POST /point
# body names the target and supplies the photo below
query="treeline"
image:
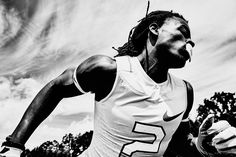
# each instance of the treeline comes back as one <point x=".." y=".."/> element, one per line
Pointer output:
<point x="221" y="104"/>
<point x="70" y="146"/>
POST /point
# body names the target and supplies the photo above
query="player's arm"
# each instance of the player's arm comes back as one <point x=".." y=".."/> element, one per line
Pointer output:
<point x="41" y="106"/>
<point x="194" y="146"/>
<point x="181" y="142"/>
<point x="216" y="138"/>
<point x="213" y="138"/>
<point x="90" y="76"/>
<point x="97" y="74"/>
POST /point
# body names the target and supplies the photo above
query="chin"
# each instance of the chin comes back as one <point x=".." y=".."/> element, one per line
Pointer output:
<point x="179" y="64"/>
<point x="176" y="60"/>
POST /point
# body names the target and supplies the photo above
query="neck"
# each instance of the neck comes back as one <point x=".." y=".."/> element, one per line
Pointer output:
<point x="154" y="68"/>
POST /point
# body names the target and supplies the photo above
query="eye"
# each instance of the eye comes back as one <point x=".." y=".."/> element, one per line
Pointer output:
<point x="185" y="31"/>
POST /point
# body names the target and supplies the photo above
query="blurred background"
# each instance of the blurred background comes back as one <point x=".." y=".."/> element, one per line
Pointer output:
<point x="39" y="39"/>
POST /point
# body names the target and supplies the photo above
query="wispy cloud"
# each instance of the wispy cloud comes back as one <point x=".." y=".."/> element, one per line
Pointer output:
<point x="39" y="39"/>
<point x="16" y="95"/>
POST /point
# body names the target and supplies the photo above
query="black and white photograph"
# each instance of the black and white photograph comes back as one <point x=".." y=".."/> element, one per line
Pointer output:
<point x="117" y="78"/>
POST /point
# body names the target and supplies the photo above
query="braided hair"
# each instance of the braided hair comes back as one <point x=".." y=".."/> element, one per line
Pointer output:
<point x="138" y="34"/>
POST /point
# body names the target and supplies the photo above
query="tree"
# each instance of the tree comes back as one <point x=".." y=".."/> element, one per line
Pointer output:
<point x="70" y="146"/>
<point x="222" y="105"/>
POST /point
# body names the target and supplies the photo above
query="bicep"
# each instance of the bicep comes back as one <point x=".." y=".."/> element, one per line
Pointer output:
<point x="97" y="75"/>
<point x="179" y="144"/>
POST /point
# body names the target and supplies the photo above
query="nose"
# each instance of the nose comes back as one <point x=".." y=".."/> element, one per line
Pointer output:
<point x="189" y="41"/>
<point x="189" y="47"/>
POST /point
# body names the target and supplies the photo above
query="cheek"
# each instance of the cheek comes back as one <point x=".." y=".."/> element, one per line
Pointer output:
<point x="174" y="48"/>
<point x="178" y="44"/>
<point x="164" y="37"/>
<point x="170" y="43"/>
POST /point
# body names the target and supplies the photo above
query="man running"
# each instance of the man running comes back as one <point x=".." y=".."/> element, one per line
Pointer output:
<point x="139" y="105"/>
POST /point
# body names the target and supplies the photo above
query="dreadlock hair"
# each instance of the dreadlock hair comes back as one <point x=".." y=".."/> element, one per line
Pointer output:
<point x="138" y="34"/>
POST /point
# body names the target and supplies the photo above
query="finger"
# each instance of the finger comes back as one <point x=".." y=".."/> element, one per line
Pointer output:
<point x="207" y="123"/>
<point x="229" y="144"/>
<point x="230" y="150"/>
<point x="225" y="135"/>
<point x="226" y="140"/>
<point x="218" y="127"/>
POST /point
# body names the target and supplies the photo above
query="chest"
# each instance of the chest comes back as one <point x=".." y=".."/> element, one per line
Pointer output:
<point x="150" y="116"/>
<point x="153" y="105"/>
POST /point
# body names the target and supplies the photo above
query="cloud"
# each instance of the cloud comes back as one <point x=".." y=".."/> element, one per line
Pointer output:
<point x="62" y="34"/>
<point x="46" y="132"/>
<point x="4" y="88"/>
<point x="59" y="34"/>
<point x="10" y="24"/>
<point x="16" y="95"/>
<point x="70" y="106"/>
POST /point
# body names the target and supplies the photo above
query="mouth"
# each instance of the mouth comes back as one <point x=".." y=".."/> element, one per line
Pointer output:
<point x="183" y="52"/>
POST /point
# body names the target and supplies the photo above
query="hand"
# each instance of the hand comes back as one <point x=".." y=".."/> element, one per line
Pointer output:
<point x="225" y="141"/>
<point x="6" y="151"/>
<point x="207" y="131"/>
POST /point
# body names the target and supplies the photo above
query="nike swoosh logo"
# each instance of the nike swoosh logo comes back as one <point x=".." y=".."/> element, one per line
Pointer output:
<point x="167" y="118"/>
<point x="4" y="150"/>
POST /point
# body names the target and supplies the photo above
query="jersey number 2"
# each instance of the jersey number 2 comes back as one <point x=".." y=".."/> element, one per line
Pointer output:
<point x="155" y="131"/>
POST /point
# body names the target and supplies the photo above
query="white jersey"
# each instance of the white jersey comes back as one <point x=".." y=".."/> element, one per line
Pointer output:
<point x="139" y="116"/>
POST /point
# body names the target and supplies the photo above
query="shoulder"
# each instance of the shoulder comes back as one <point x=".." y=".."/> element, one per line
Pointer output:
<point x="187" y="90"/>
<point x="96" y="73"/>
<point x="180" y="82"/>
<point x="97" y="62"/>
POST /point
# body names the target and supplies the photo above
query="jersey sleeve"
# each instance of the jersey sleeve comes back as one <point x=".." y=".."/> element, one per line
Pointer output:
<point x="75" y="80"/>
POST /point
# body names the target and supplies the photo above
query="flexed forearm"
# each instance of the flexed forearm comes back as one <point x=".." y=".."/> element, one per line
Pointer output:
<point x="39" y="109"/>
<point x="43" y="104"/>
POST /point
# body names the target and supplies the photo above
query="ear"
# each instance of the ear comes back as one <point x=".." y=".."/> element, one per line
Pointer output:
<point x="153" y="28"/>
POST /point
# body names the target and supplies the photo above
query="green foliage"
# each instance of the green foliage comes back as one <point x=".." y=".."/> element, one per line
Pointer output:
<point x="70" y="146"/>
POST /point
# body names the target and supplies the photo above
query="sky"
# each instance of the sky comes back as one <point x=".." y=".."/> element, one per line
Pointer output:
<point x="40" y="39"/>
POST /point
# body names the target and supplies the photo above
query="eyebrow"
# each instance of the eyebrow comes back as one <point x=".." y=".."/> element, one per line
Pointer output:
<point x="187" y="34"/>
<point x="186" y="30"/>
